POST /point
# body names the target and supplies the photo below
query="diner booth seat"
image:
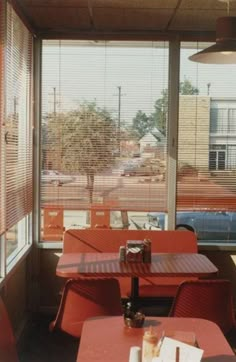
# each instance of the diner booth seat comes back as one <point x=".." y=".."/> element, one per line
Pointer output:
<point x="82" y="299"/>
<point x="106" y="240"/>
<point x="207" y="299"/>
<point x="8" y="352"/>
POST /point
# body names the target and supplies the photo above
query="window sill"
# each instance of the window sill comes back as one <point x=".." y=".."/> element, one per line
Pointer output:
<point x="217" y="246"/>
<point x="201" y="245"/>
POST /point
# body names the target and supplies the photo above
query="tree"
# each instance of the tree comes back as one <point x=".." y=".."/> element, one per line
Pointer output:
<point x="87" y="141"/>
<point x="186" y="88"/>
<point x="142" y="124"/>
<point x="159" y="116"/>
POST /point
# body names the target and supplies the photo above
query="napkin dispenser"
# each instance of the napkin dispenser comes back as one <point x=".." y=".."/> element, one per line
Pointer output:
<point x="134" y="251"/>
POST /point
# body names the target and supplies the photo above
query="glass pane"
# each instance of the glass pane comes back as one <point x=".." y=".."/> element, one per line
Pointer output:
<point x="17" y="237"/>
<point x="221" y="160"/>
<point x="11" y="240"/>
<point x="206" y="196"/>
<point x="104" y="134"/>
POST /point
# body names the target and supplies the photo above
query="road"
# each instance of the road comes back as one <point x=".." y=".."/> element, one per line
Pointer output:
<point x="132" y="193"/>
<point x="138" y="194"/>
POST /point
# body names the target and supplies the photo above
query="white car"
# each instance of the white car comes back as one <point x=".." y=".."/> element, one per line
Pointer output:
<point x="55" y="177"/>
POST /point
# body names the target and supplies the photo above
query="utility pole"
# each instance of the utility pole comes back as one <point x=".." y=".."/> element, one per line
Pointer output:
<point x="56" y="163"/>
<point x="55" y="102"/>
<point x="119" y="118"/>
<point x="119" y="106"/>
<point x="208" y="88"/>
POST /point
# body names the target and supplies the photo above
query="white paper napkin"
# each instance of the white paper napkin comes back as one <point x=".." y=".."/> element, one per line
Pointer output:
<point x="187" y="353"/>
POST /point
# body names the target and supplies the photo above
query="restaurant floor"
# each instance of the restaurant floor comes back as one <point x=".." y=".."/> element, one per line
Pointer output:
<point x="43" y="346"/>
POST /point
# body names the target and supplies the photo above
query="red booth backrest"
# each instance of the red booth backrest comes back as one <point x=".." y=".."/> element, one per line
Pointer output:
<point x="108" y="240"/>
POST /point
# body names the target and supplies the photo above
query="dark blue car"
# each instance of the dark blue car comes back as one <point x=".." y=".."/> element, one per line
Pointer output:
<point x="209" y="225"/>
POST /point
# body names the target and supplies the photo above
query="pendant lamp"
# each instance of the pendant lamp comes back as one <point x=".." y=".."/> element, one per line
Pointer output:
<point x="224" y="50"/>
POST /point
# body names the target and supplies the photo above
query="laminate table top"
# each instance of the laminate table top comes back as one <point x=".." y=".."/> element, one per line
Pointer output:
<point x="106" y="339"/>
<point x="76" y="265"/>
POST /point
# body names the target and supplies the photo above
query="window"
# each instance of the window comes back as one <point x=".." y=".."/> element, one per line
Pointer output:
<point x="231" y="159"/>
<point x="16" y="133"/>
<point x="219" y="121"/>
<point x="232" y="120"/>
<point x="217" y="158"/>
<point x="102" y="104"/>
<point x="206" y="195"/>
<point x="105" y="102"/>
<point x="222" y="121"/>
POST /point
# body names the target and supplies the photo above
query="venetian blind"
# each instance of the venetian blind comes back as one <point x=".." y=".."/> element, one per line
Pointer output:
<point x="104" y="125"/>
<point x="2" y="163"/>
<point x="207" y="146"/>
<point x="18" y="120"/>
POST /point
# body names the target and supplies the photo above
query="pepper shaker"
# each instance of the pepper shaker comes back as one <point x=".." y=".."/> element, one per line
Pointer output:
<point x="147" y="255"/>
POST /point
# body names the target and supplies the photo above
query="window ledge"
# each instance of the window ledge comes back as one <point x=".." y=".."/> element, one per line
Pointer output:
<point x="50" y="245"/>
<point x="201" y="245"/>
<point x="220" y="246"/>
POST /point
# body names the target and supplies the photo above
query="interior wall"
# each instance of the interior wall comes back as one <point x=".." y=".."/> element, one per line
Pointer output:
<point x="14" y="293"/>
<point x="49" y="284"/>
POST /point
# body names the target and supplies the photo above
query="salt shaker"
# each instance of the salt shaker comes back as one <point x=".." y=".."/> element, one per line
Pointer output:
<point x="149" y="346"/>
<point x="135" y="354"/>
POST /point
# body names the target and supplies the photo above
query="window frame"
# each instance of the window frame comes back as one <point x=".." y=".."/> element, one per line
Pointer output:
<point x="20" y="227"/>
<point x="172" y="154"/>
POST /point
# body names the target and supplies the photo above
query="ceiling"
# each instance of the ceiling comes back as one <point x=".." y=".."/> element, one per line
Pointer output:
<point x="190" y="19"/>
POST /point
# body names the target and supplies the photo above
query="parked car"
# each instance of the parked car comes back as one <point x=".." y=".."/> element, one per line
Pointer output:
<point x="140" y="170"/>
<point x="209" y="225"/>
<point x="55" y="177"/>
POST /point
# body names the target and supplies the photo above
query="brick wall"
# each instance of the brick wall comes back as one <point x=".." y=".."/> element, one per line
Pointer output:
<point x="194" y="122"/>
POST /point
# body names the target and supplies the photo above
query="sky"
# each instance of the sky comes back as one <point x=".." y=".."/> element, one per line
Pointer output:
<point x="73" y="74"/>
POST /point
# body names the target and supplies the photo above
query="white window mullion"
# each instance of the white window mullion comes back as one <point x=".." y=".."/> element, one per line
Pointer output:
<point x="173" y="115"/>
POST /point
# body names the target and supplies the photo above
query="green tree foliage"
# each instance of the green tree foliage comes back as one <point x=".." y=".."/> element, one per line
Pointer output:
<point x="186" y="88"/>
<point x="160" y="114"/>
<point x="87" y="141"/>
<point x="142" y="123"/>
<point x="158" y="118"/>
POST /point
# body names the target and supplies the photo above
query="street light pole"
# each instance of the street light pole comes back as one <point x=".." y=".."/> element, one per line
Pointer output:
<point x="54" y="101"/>
<point x="119" y="107"/>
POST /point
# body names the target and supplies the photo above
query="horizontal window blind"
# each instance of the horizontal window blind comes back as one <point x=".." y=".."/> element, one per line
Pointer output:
<point x="104" y="135"/>
<point x="18" y="120"/>
<point x="207" y="147"/>
<point x="2" y="155"/>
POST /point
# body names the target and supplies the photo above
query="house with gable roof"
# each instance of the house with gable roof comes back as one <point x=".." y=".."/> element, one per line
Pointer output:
<point x="152" y="143"/>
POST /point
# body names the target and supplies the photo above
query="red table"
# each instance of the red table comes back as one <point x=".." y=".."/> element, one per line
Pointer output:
<point x="106" y="339"/>
<point x="77" y="265"/>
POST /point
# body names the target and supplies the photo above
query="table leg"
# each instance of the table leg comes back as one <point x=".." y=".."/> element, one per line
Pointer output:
<point x="134" y="288"/>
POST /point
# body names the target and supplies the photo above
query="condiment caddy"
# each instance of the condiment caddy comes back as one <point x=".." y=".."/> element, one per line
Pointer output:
<point x="136" y="251"/>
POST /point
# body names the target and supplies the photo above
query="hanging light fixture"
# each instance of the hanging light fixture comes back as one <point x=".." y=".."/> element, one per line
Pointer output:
<point x="224" y="50"/>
